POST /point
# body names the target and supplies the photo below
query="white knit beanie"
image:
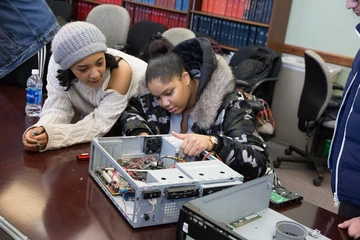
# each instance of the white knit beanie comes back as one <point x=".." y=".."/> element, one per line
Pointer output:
<point x="76" y="41"/>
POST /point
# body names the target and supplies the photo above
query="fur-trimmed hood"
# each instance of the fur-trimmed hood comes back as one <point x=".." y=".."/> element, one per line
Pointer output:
<point x="215" y="81"/>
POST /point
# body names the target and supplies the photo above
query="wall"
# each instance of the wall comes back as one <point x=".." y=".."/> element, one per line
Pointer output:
<point x="324" y="25"/>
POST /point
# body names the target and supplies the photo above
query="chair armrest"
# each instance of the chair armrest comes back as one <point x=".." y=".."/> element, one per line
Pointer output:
<point x="261" y="82"/>
<point x="241" y="83"/>
<point x="121" y="47"/>
<point x="336" y="86"/>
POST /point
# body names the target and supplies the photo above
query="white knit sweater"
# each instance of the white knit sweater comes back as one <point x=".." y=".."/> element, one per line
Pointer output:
<point x="100" y="107"/>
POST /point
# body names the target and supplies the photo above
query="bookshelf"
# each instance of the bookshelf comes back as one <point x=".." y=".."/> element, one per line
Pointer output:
<point x="81" y="8"/>
<point x="170" y="13"/>
<point x="265" y="25"/>
<point x="198" y="17"/>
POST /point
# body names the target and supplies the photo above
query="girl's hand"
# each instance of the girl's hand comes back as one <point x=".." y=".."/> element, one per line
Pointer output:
<point x="35" y="139"/>
<point x="193" y="144"/>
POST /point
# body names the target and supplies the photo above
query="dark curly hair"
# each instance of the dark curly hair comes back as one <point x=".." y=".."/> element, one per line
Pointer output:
<point x="67" y="77"/>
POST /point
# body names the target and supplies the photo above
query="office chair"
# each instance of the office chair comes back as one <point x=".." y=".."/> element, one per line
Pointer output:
<point x="178" y="34"/>
<point x="62" y="10"/>
<point x="314" y="103"/>
<point x="139" y="35"/>
<point x="256" y="70"/>
<point x="114" y="23"/>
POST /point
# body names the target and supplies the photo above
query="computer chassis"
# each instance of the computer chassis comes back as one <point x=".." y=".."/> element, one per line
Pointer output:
<point x="240" y="213"/>
<point x="148" y="180"/>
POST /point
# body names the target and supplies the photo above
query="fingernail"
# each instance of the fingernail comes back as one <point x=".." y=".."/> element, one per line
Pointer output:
<point x="35" y="133"/>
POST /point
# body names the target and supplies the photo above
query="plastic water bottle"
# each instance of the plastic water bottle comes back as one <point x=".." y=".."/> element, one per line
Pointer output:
<point x="34" y="87"/>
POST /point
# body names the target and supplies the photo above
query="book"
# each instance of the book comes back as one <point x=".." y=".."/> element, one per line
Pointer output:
<point x="210" y="6"/>
<point x="257" y="37"/>
<point x="252" y="35"/>
<point x="208" y="25"/>
<point x="201" y="24"/>
<point x="226" y="33"/>
<point x="237" y="35"/>
<point x="235" y="7"/>
<point x="228" y="9"/>
<point x="185" y="5"/>
<point x="182" y="21"/>
<point x="252" y="10"/>
<point x="204" y="5"/>
<point x="259" y="10"/>
<point x="195" y="23"/>
<point x="218" y="30"/>
<point x="263" y="15"/>
<point x="241" y="9"/>
<point x="214" y="25"/>
<point x="245" y="36"/>
<point x="232" y="32"/>
<point x="178" y="4"/>
<point x="216" y="7"/>
<point x="247" y="8"/>
<point x="268" y="11"/>
<point x="165" y="18"/>
<point x="222" y="7"/>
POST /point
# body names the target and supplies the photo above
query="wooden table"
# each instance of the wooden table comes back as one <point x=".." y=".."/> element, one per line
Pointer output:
<point x="51" y="196"/>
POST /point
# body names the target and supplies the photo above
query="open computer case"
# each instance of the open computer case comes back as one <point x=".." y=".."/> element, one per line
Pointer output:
<point x="148" y="180"/>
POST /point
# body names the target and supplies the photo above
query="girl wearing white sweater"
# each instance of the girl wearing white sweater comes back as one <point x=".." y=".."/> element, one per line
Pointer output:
<point x="83" y="74"/>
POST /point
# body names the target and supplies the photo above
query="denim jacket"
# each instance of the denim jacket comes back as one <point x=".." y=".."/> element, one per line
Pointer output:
<point x="25" y="27"/>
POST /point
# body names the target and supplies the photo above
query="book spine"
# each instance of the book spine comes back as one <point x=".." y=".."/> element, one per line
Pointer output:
<point x="241" y="9"/>
<point x="235" y="8"/>
<point x="229" y="8"/>
<point x="204" y="5"/>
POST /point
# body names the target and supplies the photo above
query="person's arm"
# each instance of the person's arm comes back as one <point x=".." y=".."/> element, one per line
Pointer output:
<point x="57" y="109"/>
<point x="120" y="80"/>
<point x="240" y="146"/>
<point x="131" y="121"/>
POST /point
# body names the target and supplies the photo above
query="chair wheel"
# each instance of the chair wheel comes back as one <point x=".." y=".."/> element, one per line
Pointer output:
<point x="287" y="151"/>
<point x="317" y="181"/>
<point x="277" y="164"/>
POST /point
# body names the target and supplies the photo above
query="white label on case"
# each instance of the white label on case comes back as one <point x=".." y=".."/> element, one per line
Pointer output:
<point x="185" y="227"/>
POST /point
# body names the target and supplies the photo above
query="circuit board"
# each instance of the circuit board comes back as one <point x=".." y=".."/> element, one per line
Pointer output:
<point x="243" y="221"/>
<point x="282" y="196"/>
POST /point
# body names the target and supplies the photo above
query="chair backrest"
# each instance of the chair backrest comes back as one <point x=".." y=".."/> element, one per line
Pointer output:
<point x="317" y="91"/>
<point x="113" y="21"/>
<point x="245" y="53"/>
<point x="178" y="34"/>
<point x="140" y="33"/>
<point x="62" y="9"/>
<point x="254" y="63"/>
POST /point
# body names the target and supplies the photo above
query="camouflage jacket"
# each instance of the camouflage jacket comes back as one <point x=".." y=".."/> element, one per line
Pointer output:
<point x="219" y="111"/>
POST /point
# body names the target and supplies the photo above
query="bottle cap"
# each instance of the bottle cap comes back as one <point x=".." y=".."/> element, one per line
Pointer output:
<point x="35" y="72"/>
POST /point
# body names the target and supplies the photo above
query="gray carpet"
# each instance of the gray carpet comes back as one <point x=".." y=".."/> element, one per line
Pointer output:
<point x="299" y="178"/>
